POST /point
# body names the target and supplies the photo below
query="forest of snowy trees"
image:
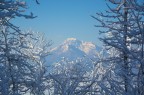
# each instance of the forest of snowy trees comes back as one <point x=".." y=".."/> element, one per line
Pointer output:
<point x="117" y="69"/>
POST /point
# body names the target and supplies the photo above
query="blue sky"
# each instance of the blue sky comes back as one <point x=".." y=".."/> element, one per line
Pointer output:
<point x="62" y="19"/>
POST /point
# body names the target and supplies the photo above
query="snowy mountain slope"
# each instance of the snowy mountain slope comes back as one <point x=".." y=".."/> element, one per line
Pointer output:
<point x="71" y="49"/>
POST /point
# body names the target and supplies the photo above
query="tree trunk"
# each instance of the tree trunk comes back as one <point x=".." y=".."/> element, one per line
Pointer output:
<point x="125" y="43"/>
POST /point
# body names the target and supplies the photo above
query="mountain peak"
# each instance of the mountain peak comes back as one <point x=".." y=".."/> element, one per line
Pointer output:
<point x="71" y="39"/>
<point x="72" y="48"/>
<point x="72" y="42"/>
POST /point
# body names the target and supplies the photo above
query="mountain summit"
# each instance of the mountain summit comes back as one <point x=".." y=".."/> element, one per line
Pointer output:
<point x="71" y="49"/>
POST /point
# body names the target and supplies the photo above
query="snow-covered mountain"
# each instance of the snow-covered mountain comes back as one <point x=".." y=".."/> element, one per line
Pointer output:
<point x="71" y="49"/>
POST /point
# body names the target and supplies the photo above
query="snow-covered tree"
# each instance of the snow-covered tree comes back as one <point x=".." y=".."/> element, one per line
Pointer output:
<point x="72" y="77"/>
<point x="124" y="33"/>
<point x="10" y="9"/>
<point x="22" y="54"/>
<point x="22" y="63"/>
<point x="37" y="50"/>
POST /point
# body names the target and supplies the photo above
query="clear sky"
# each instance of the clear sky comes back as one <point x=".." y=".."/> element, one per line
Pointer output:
<point x="62" y="19"/>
